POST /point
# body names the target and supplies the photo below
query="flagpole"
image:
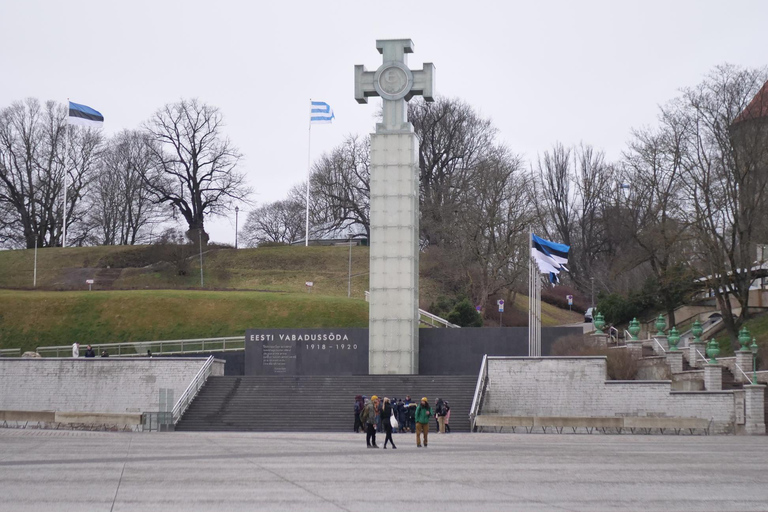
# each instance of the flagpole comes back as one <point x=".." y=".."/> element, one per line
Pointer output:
<point x="531" y="298"/>
<point x="64" y="213"/>
<point x="309" y="160"/>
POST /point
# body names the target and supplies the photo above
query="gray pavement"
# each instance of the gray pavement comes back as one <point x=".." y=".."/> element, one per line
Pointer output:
<point x="90" y="471"/>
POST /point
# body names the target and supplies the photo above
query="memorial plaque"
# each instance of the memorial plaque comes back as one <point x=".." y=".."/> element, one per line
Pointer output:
<point x="306" y="352"/>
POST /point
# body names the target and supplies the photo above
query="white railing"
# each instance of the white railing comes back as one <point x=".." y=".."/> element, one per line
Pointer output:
<point x="482" y="379"/>
<point x="10" y="352"/>
<point x="663" y="350"/>
<point x="191" y="392"/>
<point x="433" y="320"/>
<point x="140" y="348"/>
<point x="749" y="379"/>
<point x="611" y="331"/>
<point x="702" y="356"/>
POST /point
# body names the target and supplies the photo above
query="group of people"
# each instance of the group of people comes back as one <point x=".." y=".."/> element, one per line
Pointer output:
<point x="89" y="352"/>
<point x="374" y="415"/>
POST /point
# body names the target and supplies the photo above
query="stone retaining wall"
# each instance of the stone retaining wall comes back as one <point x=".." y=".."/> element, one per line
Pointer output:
<point x="96" y="385"/>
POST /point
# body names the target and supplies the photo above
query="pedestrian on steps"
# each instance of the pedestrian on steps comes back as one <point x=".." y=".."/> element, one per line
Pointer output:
<point x="386" y="414"/>
<point x="423" y="415"/>
<point x="447" y="417"/>
<point x="359" y="404"/>
<point x="368" y="418"/>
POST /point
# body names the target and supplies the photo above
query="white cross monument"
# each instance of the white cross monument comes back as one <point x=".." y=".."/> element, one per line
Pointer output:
<point x="394" y="267"/>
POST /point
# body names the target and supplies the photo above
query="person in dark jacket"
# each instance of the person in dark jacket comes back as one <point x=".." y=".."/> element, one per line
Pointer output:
<point x="400" y="413"/>
<point x="89" y="352"/>
<point x="359" y="404"/>
<point x="440" y="415"/>
<point x="368" y="418"/>
<point x="386" y="414"/>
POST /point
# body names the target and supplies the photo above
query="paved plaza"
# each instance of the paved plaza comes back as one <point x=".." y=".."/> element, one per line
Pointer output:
<point x="92" y="471"/>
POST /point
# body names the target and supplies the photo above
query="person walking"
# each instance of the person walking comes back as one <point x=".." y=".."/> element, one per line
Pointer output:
<point x="440" y="415"/>
<point x="377" y="406"/>
<point x="89" y="352"/>
<point x="386" y="415"/>
<point x="368" y="418"/>
<point x="423" y="415"/>
<point x="411" y="412"/>
<point x="400" y="413"/>
<point x="75" y="349"/>
<point x="447" y="417"/>
<point x="359" y="404"/>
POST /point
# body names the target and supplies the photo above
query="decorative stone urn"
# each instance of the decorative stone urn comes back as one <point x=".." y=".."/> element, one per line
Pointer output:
<point x="713" y="350"/>
<point x="661" y="324"/>
<point x="744" y="339"/>
<point x="696" y="330"/>
<point x="634" y="328"/>
<point x="673" y="339"/>
<point x="599" y="322"/>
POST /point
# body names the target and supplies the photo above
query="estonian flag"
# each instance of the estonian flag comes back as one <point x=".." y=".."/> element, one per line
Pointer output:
<point x="321" y="113"/>
<point x="550" y="256"/>
<point x="83" y="115"/>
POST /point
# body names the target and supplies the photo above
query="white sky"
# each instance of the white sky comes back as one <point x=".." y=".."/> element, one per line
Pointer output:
<point x="544" y="71"/>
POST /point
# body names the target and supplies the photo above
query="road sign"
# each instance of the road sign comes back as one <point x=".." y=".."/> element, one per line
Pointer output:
<point x="310" y="284"/>
<point x="570" y="299"/>
<point x="500" y="302"/>
<point x="89" y="281"/>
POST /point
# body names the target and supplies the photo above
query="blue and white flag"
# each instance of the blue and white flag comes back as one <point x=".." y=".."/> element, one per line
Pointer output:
<point x="550" y="256"/>
<point x="320" y="113"/>
<point x="83" y="115"/>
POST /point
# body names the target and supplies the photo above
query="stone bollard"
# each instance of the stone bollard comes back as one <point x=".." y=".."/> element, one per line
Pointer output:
<point x="675" y="361"/>
<point x="713" y="377"/>
<point x="754" y="402"/>
<point x="744" y="360"/>
<point x="601" y="340"/>
<point x="696" y="348"/>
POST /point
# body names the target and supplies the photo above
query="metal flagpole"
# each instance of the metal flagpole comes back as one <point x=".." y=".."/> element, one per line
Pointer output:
<point x="531" y="298"/>
<point x="34" y="274"/>
<point x="309" y="159"/>
<point x="64" y="161"/>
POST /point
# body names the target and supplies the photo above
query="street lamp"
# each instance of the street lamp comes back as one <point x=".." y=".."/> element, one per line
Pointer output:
<point x="237" y="210"/>
<point x="754" y="361"/>
<point x="349" y="279"/>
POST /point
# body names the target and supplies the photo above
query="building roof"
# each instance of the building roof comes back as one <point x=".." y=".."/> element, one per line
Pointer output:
<point x="757" y="108"/>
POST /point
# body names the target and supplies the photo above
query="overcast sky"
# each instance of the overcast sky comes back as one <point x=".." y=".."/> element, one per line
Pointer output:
<point x="552" y="71"/>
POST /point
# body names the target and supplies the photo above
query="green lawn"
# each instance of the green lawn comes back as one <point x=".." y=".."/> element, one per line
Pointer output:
<point x="38" y="318"/>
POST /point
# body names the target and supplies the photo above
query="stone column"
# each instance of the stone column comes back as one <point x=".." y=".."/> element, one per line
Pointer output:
<point x="675" y="361"/>
<point x="662" y="341"/>
<point x="696" y="347"/>
<point x="601" y="340"/>
<point x="744" y="360"/>
<point x="394" y="255"/>
<point x="635" y="348"/>
<point x="754" y="401"/>
<point x="713" y="377"/>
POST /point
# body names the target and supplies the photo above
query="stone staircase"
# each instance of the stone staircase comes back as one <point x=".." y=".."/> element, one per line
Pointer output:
<point x="314" y="403"/>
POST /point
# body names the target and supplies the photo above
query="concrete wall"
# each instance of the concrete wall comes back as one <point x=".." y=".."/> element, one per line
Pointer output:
<point x="100" y="385"/>
<point x="577" y="386"/>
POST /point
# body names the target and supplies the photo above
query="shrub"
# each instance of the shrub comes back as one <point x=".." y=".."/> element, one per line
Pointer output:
<point x="620" y="364"/>
<point x="464" y="314"/>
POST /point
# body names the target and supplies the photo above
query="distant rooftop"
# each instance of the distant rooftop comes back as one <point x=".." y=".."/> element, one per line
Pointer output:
<point x="757" y="108"/>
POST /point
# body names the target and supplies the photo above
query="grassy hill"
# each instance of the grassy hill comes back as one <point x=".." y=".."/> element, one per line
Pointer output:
<point x="41" y="318"/>
<point x="140" y="294"/>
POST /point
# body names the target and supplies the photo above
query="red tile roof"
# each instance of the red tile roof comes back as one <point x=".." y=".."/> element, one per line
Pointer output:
<point x="757" y="108"/>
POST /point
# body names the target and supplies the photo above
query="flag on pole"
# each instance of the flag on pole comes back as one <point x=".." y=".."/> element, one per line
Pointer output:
<point x="83" y="115"/>
<point x="320" y="113"/>
<point x="551" y="257"/>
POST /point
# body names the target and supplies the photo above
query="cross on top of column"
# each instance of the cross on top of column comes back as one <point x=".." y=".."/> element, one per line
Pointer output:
<point x="395" y="83"/>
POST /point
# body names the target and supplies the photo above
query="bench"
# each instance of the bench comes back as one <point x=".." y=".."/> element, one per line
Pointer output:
<point x="70" y="418"/>
<point x="590" y="423"/>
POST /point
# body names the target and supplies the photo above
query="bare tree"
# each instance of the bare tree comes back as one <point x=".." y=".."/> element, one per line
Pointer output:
<point x="340" y="187"/>
<point x="37" y="150"/>
<point x="453" y="139"/>
<point x="121" y="205"/>
<point x="195" y="164"/>
<point x="725" y="178"/>
<point x="280" y="222"/>
<point x="492" y="233"/>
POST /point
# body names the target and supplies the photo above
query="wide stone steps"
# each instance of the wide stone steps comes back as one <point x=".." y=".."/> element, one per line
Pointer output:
<point x="312" y="403"/>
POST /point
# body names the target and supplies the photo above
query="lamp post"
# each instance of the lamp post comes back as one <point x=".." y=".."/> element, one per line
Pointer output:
<point x="237" y="210"/>
<point x="349" y="279"/>
<point x="754" y="361"/>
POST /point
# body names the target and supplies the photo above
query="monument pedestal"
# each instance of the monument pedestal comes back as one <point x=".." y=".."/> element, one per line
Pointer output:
<point x="394" y="257"/>
<point x="713" y="377"/>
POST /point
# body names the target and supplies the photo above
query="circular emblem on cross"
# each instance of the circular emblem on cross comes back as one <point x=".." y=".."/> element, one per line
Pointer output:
<point x="393" y="80"/>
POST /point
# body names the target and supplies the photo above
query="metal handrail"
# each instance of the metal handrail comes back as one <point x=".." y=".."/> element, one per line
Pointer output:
<point x="611" y="329"/>
<point x="749" y="379"/>
<point x="139" y="348"/>
<point x="663" y="350"/>
<point x="481" y="380"/>
<point x="10" y="352"/>
<point x="702" y="356"/>
<point x="191" y="392"/>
